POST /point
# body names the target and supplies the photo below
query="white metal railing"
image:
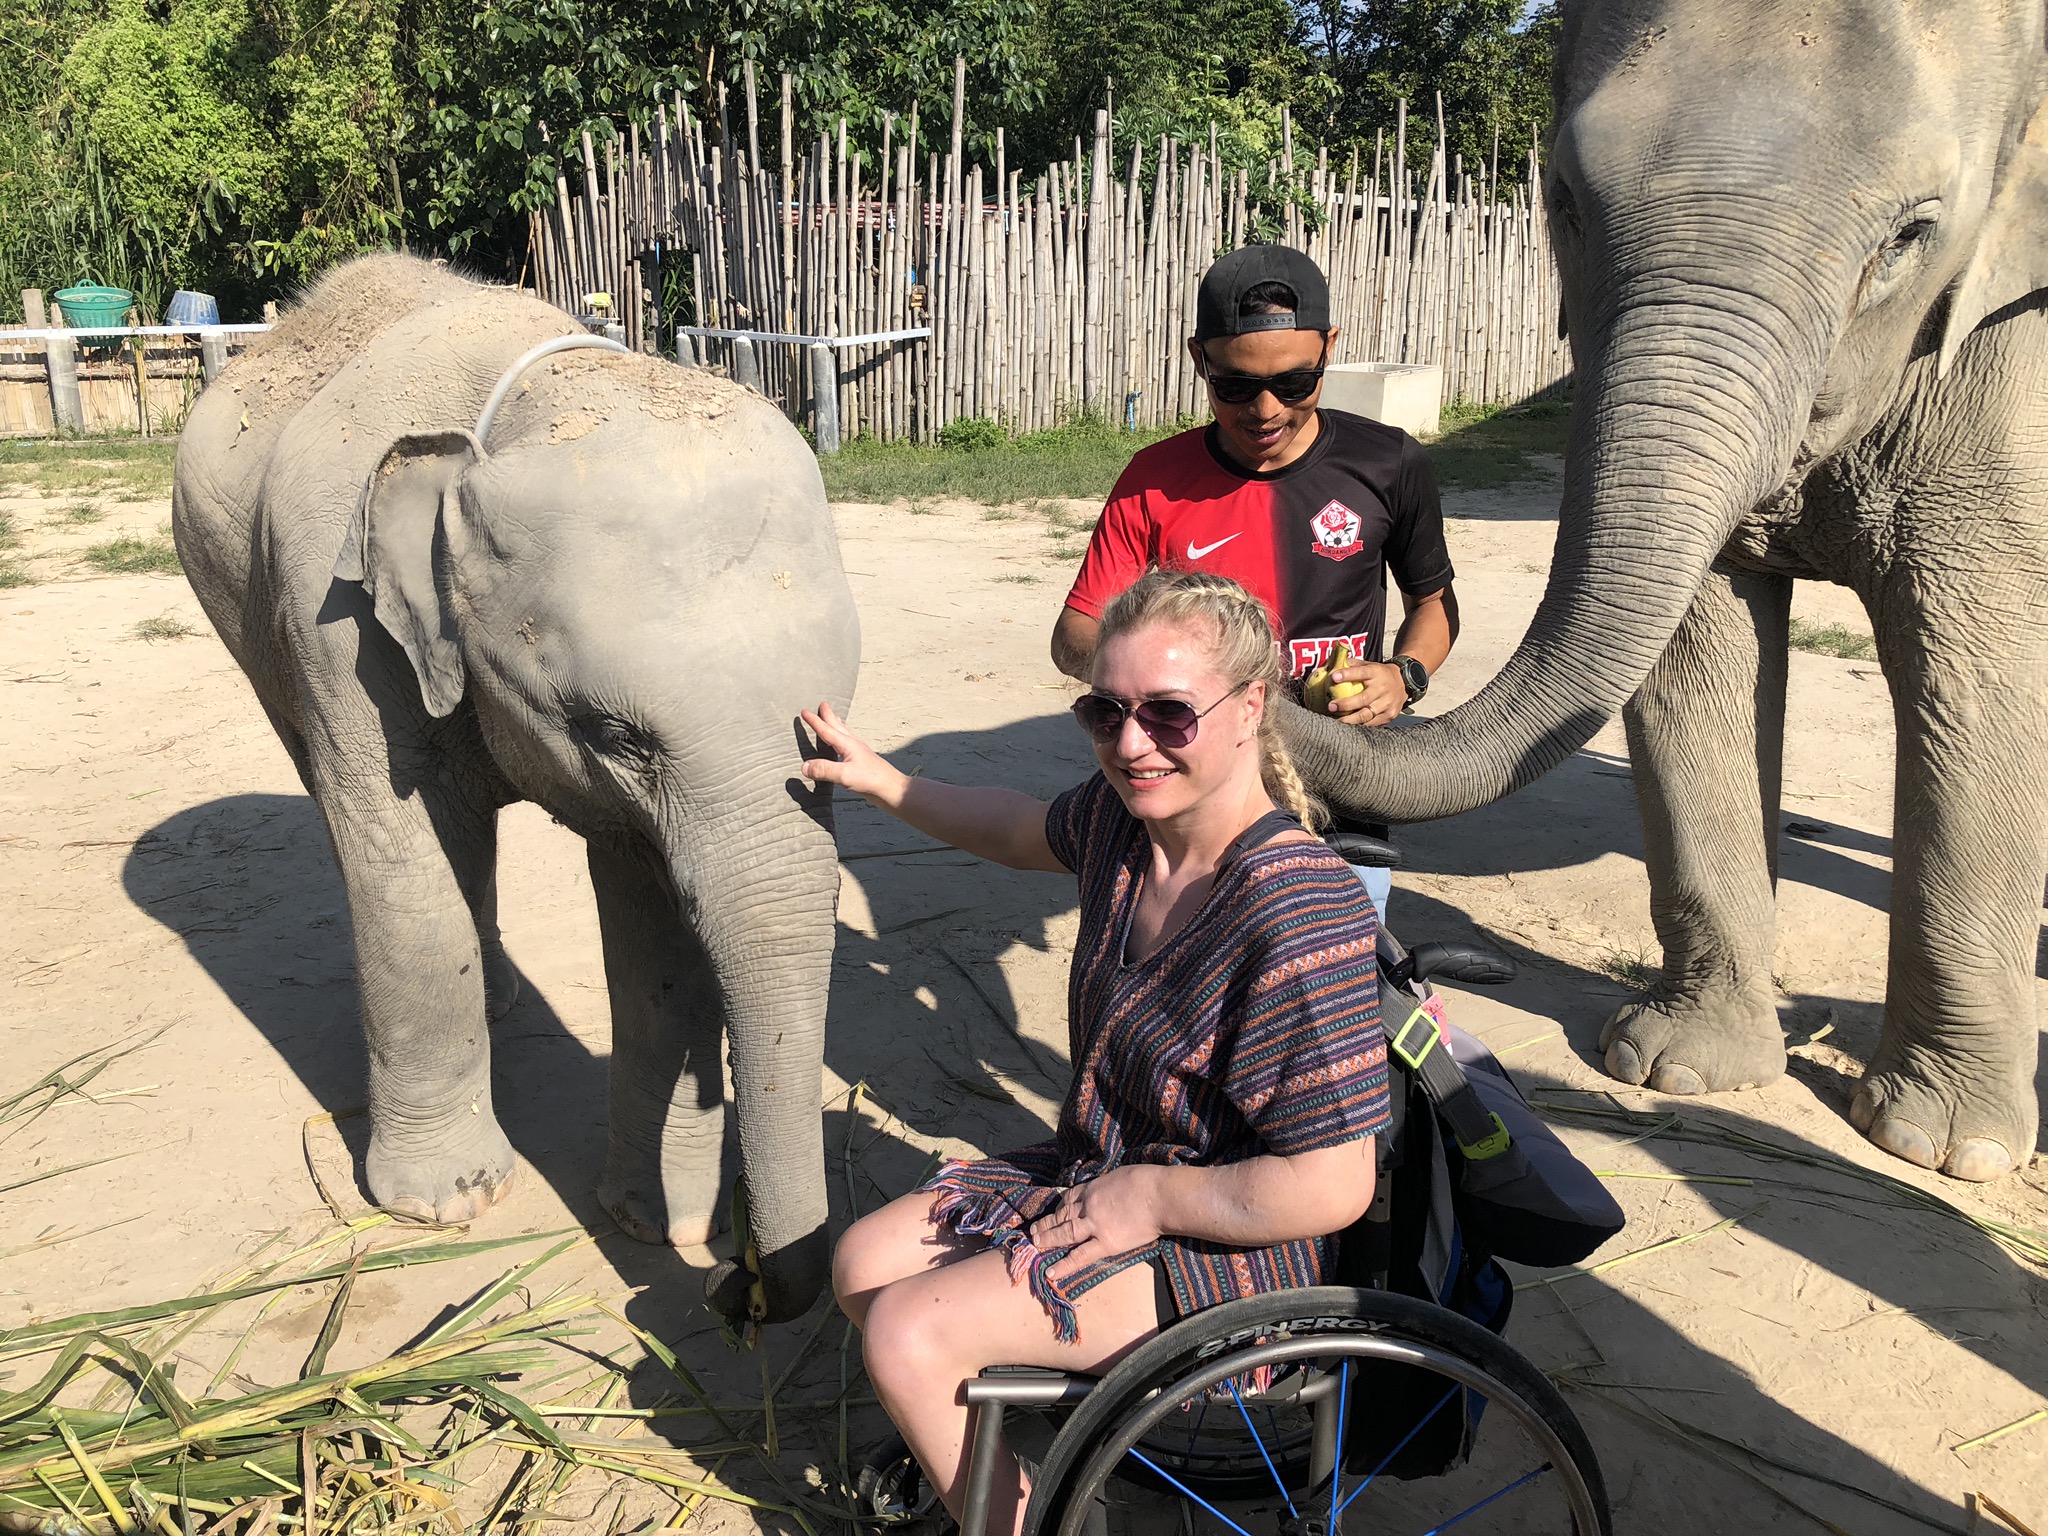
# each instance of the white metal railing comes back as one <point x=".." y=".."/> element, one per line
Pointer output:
<point x="62" y="332"/>
<point x="872" y="339"/>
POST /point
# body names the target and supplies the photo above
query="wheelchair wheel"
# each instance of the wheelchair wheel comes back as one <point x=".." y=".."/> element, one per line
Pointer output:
<point x="1301" y="1413"/>
<point x="891" y="1491"/>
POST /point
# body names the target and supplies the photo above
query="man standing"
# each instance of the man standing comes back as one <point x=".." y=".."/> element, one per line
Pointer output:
<point x="1309" y="509"/>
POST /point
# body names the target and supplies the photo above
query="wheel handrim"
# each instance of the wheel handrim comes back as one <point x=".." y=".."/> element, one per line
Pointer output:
<point x="1462" y="1373"/>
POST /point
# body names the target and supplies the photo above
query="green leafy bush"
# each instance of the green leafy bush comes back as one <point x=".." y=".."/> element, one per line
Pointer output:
<point x="973" y="434"/>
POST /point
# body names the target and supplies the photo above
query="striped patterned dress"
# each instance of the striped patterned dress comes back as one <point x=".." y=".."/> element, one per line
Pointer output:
<point x="1252" y="1030"/>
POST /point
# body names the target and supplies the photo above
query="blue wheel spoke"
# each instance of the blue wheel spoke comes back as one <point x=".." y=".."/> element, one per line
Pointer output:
<point x="1139" y="1455"/>
<point x="1397" y="1450"/>
<point x="1259" y="1441"/>
<point x="1337" y="1468"/>
<point x="1498" y="1493"/>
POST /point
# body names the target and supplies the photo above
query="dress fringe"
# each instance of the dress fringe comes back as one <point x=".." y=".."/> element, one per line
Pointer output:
<point x="992" y="1214"/>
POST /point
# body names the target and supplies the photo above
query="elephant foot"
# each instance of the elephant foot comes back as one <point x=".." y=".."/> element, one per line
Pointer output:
<point x="1929" y="1120"/>
<point x="446" y="1178"/>
<point x="1692" y="1045"/>
<point x="644" y="1217"/>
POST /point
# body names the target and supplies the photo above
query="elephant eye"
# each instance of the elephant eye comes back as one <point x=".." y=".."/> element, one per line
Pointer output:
<point x="1907" y="236"/>
<point x="1915" y="228"/>
<point x="1896" y="258"/>
<point x="620" y="742"/>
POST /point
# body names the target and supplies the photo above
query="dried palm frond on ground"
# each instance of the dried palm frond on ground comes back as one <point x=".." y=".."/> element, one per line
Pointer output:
<point x="103" y="1442"/>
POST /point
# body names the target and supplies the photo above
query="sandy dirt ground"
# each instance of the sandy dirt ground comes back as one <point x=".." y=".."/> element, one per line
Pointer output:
<point x="163" y="878"/>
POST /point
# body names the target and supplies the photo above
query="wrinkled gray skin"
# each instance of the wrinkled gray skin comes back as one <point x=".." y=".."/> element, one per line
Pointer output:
<point x="1803" y="249"/>
<point x="614" y="608"/>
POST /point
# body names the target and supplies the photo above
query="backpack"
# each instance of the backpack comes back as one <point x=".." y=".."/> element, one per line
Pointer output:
<point x="1468" y="1175"/>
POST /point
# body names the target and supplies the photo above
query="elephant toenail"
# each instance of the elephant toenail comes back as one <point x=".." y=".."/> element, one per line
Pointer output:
<point x="1677" y="1078"/>
<point x="1624" y="1062"/>
<point x="1979" y="1160"/>
<point x="1905" y="1140"/>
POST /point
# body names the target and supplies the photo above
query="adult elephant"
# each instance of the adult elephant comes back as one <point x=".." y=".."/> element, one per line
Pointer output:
<point x="611" y="599"/>
<point x="1804" y="251"/>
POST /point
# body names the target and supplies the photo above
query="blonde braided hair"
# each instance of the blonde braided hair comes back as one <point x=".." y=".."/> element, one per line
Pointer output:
<point x="1243" y="648"/>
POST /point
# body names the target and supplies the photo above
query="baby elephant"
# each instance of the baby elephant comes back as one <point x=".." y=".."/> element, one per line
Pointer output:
<point x="610" y="594"/>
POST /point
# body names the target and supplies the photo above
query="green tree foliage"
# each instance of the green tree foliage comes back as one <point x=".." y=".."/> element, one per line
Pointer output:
<point x="1174" y="68"/>
<point x="240" y="146"/>
<point x="511" y="87"/>
<point x="60" y="218"/>
<point x="1491" y="60"/>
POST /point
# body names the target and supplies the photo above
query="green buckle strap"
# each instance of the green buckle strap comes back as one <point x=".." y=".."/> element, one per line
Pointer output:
<point x="1488" y="1146"/>
<point x="1478" y="1132"/>
<point x="1413" y="1056"/>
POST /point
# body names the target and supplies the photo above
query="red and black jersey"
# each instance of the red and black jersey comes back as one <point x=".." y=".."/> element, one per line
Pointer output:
<point x="1313" y="540"/>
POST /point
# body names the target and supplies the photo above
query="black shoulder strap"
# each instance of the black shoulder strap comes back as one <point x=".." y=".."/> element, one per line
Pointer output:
<point x="1260" y="832"/>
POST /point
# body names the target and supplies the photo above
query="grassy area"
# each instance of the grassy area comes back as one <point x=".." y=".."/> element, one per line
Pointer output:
<point x="154" y="556"/>
<point x="12" y="574"/>
<point x="1479" y="447"/>
<point x="135" y="469"/>
<point x="981" y="465"/>
<point x="1833" y="640"/>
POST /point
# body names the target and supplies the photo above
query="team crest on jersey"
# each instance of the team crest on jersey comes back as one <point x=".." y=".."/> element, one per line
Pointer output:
<point x="1336" y="528"/>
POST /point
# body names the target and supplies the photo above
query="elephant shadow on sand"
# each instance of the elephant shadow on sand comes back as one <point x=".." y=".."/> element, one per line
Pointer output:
<point x="922" y="1016"/>
<point x="274" y="934"/>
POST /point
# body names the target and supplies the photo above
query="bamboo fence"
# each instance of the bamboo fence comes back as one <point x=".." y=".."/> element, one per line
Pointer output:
<point x="1066" y="295"/>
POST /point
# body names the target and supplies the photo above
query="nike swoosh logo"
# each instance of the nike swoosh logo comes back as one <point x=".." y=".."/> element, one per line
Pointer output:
<point x="1208" y="549"/>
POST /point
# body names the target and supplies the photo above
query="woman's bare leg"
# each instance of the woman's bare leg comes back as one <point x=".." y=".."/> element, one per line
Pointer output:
<point x="928" y="1333"/>
<point x="890" y="1244"/>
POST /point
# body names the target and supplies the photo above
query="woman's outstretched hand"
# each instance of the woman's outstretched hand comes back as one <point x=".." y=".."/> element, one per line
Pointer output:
<point x="854" y="765"/>
<point x="1114" y="1214"/>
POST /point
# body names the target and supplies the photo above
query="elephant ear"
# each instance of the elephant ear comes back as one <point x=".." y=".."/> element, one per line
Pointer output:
<point x="2011" y="259"/>
<point x="392" y="546"/>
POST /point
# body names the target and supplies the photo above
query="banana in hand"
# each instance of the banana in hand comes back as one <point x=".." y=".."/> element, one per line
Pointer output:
<point x="1317" y="690"/>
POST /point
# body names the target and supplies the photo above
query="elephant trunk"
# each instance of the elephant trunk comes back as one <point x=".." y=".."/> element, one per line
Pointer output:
<point x="759" y="887"/>
<point x="1676" y="434"/>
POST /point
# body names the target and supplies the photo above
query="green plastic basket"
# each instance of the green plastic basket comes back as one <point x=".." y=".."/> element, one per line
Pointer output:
<point x="89" y="304"/>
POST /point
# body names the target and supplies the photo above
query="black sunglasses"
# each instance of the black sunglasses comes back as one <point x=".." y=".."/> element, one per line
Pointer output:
<point x="1169" y="722"/>
<point x="1289" y="388"/>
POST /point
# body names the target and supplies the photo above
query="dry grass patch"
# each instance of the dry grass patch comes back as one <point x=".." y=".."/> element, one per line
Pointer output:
<point x="126" y="556"/>
<point x="1832" y="640"/>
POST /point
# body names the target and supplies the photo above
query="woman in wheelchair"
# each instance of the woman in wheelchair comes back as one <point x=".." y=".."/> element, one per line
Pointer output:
<point x="1229" y="1071"/>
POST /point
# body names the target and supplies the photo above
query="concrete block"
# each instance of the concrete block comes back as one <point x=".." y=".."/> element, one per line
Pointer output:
<point x="1404" y="395"/>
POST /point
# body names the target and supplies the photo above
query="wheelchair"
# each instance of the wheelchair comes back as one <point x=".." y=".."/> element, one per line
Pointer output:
<point x="1346" y="1408"/>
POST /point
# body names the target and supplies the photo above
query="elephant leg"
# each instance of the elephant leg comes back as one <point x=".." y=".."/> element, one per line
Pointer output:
<point x="1951" y="1085"/>
<point x="436" y="1150"/>
<point x="1706" y="738"/>
<point x="476" y="867"/>
<point x="663" y="1167"/>
<point x="411" y="806"/>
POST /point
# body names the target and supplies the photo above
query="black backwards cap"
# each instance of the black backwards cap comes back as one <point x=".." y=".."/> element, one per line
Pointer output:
<point x="1226" y="283"/>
